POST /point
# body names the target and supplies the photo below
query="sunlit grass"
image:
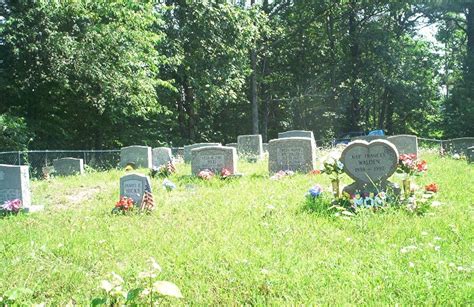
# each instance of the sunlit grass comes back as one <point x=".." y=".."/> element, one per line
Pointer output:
<point x="244" y="241"/>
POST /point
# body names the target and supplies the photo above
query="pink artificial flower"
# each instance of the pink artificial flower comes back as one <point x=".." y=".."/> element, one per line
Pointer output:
<point x="12" y="205"/>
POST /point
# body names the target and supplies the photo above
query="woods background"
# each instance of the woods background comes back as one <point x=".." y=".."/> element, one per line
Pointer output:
<point x="103" y="74"/>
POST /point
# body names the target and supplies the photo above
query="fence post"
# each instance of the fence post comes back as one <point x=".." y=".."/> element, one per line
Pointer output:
<point x="19" y="157"/>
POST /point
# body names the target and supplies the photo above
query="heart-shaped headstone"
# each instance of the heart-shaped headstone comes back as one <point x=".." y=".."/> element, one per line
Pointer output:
<point x="370" y="162"/>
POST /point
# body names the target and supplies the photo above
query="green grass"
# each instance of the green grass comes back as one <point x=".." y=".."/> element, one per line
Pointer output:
<point x="222" y="242"/>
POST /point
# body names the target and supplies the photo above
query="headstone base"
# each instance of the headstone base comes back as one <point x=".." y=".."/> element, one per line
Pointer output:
<point x="386" y="186"/>
<point x="33" y="209"/>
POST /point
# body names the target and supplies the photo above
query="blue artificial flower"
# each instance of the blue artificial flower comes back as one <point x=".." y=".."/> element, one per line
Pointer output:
<point x="168" y="185"/>
<point x="315" y="191"/>
<point x="340" y="165"/>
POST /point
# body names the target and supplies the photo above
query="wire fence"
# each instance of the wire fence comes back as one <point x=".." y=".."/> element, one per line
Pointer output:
<point x="109" y="159"/>
<point x="37" y="159"/>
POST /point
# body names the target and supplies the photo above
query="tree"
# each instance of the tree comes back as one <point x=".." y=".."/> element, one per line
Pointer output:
<point x="83" y="74"/>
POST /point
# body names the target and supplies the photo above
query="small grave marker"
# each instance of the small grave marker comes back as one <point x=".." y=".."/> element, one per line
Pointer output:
<point x="134" y="186"/>
<point x="68" y="166"/>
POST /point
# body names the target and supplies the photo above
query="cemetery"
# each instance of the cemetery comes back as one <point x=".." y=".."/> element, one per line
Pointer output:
<point x="228" y="153"/>
<point x="337" y="211"/>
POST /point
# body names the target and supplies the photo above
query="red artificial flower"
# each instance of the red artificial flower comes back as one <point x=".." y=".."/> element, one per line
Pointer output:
<point x="315" y="172"/>
<point x="432" y="187"/>
<point x="422" y="166"/>
<point x="225" y="173"/>
<point x="124" y="203"/>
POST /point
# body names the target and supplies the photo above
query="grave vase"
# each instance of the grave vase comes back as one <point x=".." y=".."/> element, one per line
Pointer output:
<point x="335" y="188"/>
<point x="406" y="186"/>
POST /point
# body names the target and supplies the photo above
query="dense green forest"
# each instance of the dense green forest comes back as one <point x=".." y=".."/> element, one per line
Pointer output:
<point x="103" y="74"/>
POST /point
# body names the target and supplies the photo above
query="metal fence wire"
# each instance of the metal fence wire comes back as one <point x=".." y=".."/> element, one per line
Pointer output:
<point x="109" y="159"/>
<point x="37" y="159"/>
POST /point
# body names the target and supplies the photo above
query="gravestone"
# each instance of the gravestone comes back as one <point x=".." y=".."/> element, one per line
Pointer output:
<point x="139" y="156"/>
<point x="296" y="154"/>
<point x="134" y="186"/>
<point x="15" y="184"/>
<point x="161" y="156"/>
<point x="265" y="147"/>
<point x="188" y="148"/>
<point x="68" y="166"/>
<point x="460" y="145"/>
<point x="296" y="133"/>
<point x="470" y="154"/>
<point x="214" y="158"/>
<point x="368" y="164"/>
<point x="250" y="146"/>
<point x="232" y="145"/>
<point x="406" y="144"/>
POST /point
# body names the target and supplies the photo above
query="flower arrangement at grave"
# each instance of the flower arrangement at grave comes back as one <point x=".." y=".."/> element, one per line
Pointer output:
<point x="432" y="187"/>
<point x="11" y="207"/>
<point x="315" y="172"/>
<point x="334" y="169"/>
<point x="282" y="174"/>
<point x="369" y="200"/>
<point x="164" y="170"/>
<point x="205" y="174"/>
<point x="319" y="202"/>
<point x="410" y="166"/>
<point x="124" y="205"/>
<point x="225" y="173"/>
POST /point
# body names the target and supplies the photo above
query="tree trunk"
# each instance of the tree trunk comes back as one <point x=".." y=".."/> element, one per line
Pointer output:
<point x="253" y="92"/>
<point x="253" y="86"/>
<point x="354" y="110"/>
<point x="470" y="41"/>
<point x="189" y="99"/>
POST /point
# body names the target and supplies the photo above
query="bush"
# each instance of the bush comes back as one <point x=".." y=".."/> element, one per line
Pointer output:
<point x="14" y="134"/>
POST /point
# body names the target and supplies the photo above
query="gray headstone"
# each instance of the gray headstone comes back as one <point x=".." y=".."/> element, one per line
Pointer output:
<point x="68" y="166"/>
<point x="188" y="148"/>
<point x="369" y="163"/>
<point x="15" y="184"/>
<point x="296" y="154"/>
<point x="232" y="145"/>
<point x="140" y="156"/>
<point x="296" y="133"/>
<point x="250" y="146"/>
<point x="134" y="186"/>
<point x="161" y="156"/>
<point x="406" y="144"/>
<point x="214" y="158"/>
<point x="460" y="145"/>
<point x="265" y="147"/>
<point x="470" y="154"/>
